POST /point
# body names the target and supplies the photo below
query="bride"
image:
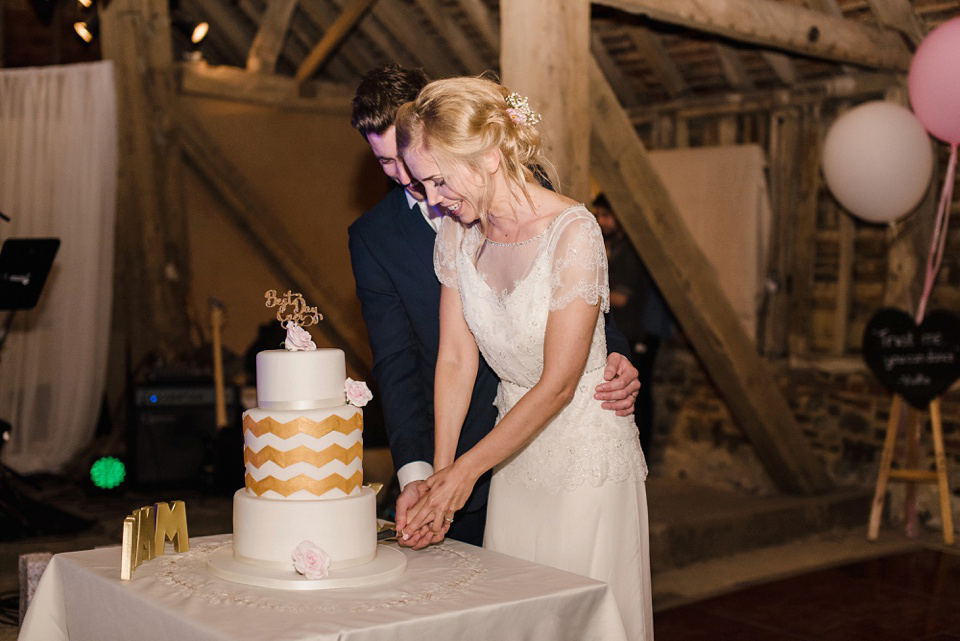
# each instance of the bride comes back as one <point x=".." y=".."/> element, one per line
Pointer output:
<point x="524" y="278"/>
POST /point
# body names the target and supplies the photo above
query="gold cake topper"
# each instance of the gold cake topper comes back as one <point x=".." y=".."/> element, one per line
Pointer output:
<point x="301" y="315"/>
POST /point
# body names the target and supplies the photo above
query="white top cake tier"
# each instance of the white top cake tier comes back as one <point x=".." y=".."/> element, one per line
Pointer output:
<point x="300" y="380"/>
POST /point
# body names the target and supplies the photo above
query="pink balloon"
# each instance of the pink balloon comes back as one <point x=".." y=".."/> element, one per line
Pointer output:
<point x="934" y="82"/>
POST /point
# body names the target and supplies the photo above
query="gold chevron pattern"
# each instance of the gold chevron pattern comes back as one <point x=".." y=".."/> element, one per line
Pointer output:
<point x="302" y="425"/>
<point x="303" y="454"/>
<point x="304" y="482"/>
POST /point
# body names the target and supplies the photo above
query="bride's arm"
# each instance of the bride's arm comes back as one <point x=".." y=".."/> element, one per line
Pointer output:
<point x="454" y="378"/>
<point x="566" y="346"/>
<point x="456" y="373"/>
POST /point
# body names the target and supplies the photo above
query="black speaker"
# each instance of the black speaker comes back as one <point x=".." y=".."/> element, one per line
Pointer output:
<point x="173" y="436"/>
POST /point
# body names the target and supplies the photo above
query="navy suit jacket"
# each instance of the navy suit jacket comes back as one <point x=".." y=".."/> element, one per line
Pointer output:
<point x="391" y="250"/>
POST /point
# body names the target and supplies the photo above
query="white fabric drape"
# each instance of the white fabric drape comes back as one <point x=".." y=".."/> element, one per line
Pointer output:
<point x="58" y="178"/>
<point x="721" y="193"/>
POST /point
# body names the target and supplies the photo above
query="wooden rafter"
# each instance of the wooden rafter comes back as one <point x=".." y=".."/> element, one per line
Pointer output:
<point x="228" y="28"/>
<point x="899" y="15"/>
<point x="482" y="21"/>
<point x="782" y="65"/>
<point x="615" y="76"/>
<point x="232" y="83"/>
<point x="781" y="25"/>
<point x="398" y="24"/>
<point x="273" y="28"/>
<point x="453" y="35"/>
<point x="651" y="220"/>
<point x="320" y="15"/>
<point x="655" y="54"/>
<point x="294" y="49"/>
<point x="733" y="68"/>
<point x="275" y="246"/>
<point x="338" y="31"/>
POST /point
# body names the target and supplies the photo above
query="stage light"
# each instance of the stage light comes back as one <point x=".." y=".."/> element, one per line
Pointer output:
<point x="87" y="29"/>
<point x="86" y="4"/>
<point x="108" y="472"/>
<point x="195" y="31"/>
<point x="199" y="33"/>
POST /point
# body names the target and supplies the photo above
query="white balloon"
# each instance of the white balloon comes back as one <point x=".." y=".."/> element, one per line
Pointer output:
<point x="877" y="160"/>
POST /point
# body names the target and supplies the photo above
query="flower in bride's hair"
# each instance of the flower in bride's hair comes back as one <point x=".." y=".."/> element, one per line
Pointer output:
<point x="298" y="339"/>
<point x="516" y="116"/>
<point x="518" y="108"/>
<point x="358" y="394"/>
<point x="310" y="561"/>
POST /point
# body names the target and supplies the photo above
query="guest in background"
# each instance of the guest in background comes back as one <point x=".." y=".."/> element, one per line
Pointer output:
<point x="638" y="308"/>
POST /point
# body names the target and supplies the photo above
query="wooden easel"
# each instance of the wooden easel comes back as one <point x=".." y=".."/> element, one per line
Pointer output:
<point x="912" y="474"/>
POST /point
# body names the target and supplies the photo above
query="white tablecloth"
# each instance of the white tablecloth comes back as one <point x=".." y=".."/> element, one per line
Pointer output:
<point x="450" y="591"/>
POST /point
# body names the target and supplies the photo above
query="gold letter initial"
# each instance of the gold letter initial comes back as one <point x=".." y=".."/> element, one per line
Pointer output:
<point x="171" y="523"/>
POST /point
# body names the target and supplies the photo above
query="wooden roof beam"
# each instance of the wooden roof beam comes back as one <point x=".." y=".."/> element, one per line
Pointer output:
<point x="321" y="16"/>
<point x="227" y="27"/>
<point x="397" y="23"/>
<point x="899" y="15"/>
<point x="782" y="65"/>
<point x="781" y="25"/>
<point x="453" y="35"/>
<point x="614" y="74"/>
<point x="276" y="247"/>
<point x="650" y="218"/>
<point x="655" y="54"/>
<point x="336" y="34"/>
<point x="266" y="46"/>
<point x="233" y="83"/>
<point x="733" y="68"/>
<point x="482" y="21"/>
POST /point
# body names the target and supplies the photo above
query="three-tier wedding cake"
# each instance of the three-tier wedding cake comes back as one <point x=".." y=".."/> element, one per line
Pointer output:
<point x="304" y="519"/>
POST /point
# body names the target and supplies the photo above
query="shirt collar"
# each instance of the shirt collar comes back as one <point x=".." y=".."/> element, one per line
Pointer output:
<point x="431" y="215"/>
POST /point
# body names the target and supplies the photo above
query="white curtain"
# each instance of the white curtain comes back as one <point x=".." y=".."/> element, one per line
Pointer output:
<point x="58" y="177"/>
<point x="721" y="193"/>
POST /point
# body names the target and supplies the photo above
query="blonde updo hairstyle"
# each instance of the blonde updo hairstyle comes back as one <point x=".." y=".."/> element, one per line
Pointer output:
<point x="458" y="121"/>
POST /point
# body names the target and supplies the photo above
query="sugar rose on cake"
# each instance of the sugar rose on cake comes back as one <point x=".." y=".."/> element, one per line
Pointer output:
<point x="311" y="561"/>
<point x="298" y="339"/>
<point x="357" y="392"/>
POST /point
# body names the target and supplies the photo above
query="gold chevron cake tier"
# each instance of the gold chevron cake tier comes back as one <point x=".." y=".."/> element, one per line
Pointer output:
<point x="303" y="455"/>
<point x="303" y="482"/>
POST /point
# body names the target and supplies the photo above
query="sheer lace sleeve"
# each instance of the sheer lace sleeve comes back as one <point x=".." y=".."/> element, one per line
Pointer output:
<point x="445" y="252"/>
<point x="579" y="268"/>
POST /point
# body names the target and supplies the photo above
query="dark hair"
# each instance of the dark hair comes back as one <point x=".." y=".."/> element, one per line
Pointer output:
<point x="379" y="95"/>
<point x="601" y="201"/>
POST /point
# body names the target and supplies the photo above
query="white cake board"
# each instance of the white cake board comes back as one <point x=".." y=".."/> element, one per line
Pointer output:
<point x="388" y="564"/>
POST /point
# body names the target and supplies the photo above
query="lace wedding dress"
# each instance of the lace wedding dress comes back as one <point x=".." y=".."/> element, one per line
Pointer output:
<point x="573" y="497"/>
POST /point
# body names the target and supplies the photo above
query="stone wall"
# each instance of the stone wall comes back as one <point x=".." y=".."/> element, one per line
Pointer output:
<point x="840" y="407"/>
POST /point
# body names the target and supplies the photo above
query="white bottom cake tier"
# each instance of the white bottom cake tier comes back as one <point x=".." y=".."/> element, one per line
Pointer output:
<point x="388" y="563"/>
<point x="266" y="531"/>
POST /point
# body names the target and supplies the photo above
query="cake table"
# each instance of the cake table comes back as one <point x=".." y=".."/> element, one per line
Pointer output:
<point x="448" y="591"/>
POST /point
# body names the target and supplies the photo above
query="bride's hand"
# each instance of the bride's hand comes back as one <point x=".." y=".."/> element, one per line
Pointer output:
<point x="449" y="490"/>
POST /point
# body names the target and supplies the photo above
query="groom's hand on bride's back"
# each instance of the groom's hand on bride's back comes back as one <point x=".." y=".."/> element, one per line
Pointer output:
<point x="621" y="386"/>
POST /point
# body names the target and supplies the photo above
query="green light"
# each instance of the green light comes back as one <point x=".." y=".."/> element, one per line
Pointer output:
<point x="107" y="472"/>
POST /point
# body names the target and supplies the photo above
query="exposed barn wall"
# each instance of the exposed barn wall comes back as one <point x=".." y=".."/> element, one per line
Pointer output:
<point x="834" y="272"/>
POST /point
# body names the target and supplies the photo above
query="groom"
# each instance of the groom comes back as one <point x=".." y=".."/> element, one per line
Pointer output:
<point x="391" y="250"/>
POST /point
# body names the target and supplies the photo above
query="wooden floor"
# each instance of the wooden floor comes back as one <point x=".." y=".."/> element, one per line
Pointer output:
<point x="903" y="597"/>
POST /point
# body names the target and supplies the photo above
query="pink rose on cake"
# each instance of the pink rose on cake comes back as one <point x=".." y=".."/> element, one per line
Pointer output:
<point x="311" y="561"/>
<point x="298" y="339"/>
<point x="358" y="394"/>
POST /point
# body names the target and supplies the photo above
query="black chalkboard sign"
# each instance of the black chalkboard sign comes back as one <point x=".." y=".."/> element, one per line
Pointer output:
<point x="918" y="363"/>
